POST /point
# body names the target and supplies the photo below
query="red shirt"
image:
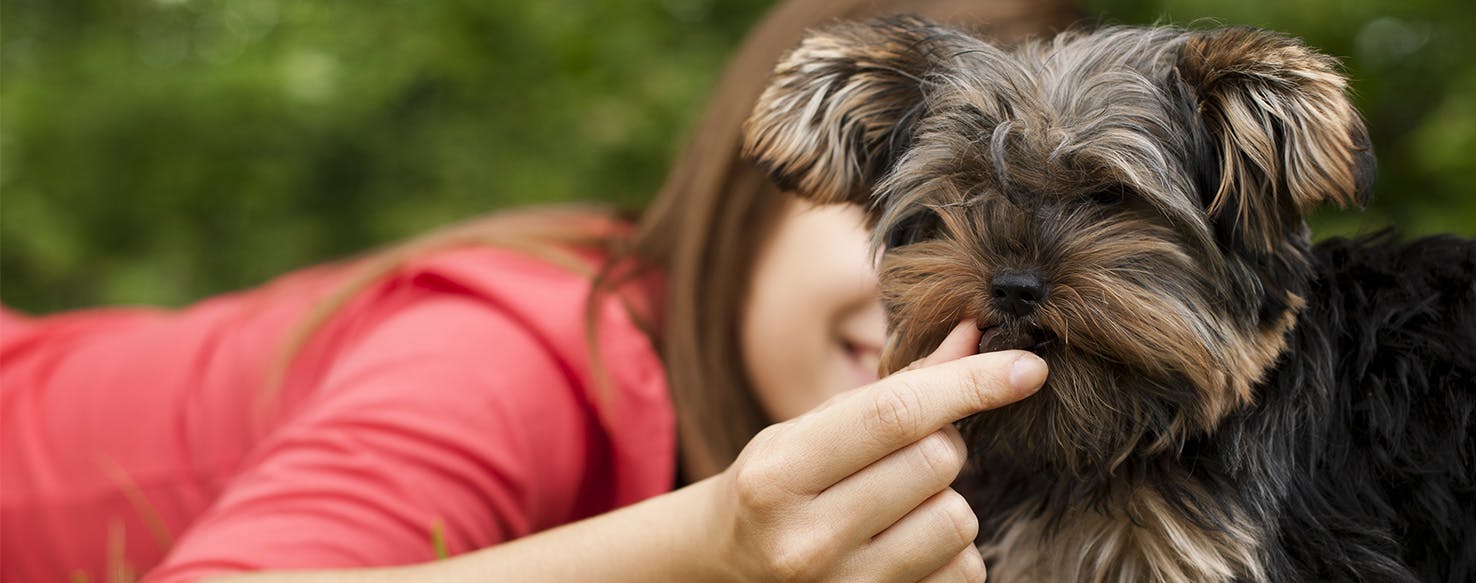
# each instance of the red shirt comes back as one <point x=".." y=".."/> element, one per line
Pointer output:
<point x="453" y="400"/>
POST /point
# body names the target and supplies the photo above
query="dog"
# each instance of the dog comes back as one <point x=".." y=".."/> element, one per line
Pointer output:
<point x="1226" y="401"/>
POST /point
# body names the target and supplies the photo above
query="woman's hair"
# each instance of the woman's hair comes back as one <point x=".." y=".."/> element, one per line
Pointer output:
<point x="704" y="229"/>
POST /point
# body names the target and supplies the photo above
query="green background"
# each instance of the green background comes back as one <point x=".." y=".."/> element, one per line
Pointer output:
<point x="157" y="151"/>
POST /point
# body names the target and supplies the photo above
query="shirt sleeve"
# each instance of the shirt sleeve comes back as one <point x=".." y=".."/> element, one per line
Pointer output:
<point x="447" y="423"/>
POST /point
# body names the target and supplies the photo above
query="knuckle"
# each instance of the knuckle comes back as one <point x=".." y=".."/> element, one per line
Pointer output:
<point x="959" y="444"/>
<point x="760" y="479"/>
<point x="755" y="486"/>
<point x="972" y="568"/>
<point x="767" y="435"/>
<point x="963" y="524"/>
<point x="801" y="558"/>
<point x="895" y="414"/>
<point x="942" y="457"/>
<point x="980" y="384"/>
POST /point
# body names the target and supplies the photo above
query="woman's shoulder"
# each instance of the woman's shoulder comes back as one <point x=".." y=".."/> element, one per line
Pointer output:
<point x="482" y="306"/>
<point x="553" y="294"/>
<point x="548" y="268"/>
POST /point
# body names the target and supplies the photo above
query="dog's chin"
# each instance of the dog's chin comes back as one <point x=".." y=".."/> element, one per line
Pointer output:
<point x="1049" y="431"/>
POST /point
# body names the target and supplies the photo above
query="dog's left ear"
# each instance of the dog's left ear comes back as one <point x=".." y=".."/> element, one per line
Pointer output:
<point x="841" y="108"/>
<point x="1280" y="122"/>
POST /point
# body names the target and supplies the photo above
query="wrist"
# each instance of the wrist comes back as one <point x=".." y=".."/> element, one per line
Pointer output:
<point x="702" y="540"/>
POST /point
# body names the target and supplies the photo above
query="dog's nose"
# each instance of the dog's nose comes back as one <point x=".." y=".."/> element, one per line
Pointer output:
<point x="1018" y="292"/>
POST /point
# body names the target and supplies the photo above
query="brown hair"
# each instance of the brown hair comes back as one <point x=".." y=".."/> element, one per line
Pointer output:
<point x="704" y="229"/>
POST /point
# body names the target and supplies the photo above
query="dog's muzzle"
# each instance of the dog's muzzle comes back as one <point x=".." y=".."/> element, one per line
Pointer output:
<point x="1016" y="294"/>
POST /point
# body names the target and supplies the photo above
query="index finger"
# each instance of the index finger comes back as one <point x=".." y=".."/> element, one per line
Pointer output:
<point x="874" y="421"/>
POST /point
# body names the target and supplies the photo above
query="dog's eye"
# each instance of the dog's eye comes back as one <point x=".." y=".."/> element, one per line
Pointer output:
<point x="1110" y="196"/>
<point x="914" y="228"/>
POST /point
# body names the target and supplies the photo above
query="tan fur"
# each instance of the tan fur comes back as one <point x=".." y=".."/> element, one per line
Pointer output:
<point x="1250" y="81"/>
<point x="828" y="120"/>
<point x="1143" y="540"/>
<point x="1254" y="353"/>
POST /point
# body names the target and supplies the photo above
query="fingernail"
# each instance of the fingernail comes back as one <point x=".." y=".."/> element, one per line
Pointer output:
<point x="1028" y="372"/>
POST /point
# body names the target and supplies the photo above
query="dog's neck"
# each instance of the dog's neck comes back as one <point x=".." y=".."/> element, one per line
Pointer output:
<point x="1168" y="515"/>
<point x="1139" y="537"/>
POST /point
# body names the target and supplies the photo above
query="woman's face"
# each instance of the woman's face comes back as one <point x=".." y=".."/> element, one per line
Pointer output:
<point x="813" y="326"/>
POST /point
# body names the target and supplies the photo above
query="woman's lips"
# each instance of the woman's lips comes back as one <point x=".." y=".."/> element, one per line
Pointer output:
<point x="864" y="361"/>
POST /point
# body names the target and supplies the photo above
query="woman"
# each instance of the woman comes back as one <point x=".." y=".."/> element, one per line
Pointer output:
<point x="523" y="392"/>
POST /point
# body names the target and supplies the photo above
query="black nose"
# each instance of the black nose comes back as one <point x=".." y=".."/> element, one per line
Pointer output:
<point x="1017" y="292"/>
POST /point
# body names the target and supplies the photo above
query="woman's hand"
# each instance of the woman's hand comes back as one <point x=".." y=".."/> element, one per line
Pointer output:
<point x="858" y="489"/>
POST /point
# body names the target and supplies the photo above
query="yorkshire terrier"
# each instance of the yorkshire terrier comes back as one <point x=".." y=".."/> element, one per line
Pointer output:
<point x="1226" y="401"/>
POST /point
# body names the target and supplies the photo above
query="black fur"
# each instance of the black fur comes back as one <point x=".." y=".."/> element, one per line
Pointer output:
<point x="1361" y="450"/>
<point x="1376" y="397"/>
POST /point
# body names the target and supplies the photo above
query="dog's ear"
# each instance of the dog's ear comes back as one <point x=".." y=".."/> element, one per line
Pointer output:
<point x="1283" y="133"/>
<point x="841" y="108"/>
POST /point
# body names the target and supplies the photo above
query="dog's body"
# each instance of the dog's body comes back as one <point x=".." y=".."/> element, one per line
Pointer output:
<point x="1354" y="464"/>
<point x="1226" y="403"/>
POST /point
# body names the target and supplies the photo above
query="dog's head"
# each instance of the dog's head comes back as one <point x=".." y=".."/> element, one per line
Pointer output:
<point x="1127" y="203"/>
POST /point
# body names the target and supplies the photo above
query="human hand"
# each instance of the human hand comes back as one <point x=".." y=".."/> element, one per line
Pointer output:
<point x="858" y="489"/>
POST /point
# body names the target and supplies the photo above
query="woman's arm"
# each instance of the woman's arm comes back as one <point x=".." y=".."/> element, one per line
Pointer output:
<point x="855" y="490"/>
<point x="665" y="538"/>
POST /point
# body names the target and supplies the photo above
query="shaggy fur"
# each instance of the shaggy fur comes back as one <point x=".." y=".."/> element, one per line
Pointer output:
<point x="1226" y="402"/>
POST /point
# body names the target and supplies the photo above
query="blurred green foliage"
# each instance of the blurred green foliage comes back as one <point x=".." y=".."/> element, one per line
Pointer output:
<point x="156" y="151"/>
<point x="1412" y="73"/>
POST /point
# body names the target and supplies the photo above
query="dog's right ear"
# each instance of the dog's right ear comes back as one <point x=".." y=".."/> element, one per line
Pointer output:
<point x="842" y="107"/>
